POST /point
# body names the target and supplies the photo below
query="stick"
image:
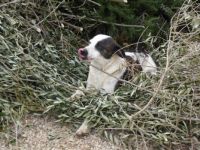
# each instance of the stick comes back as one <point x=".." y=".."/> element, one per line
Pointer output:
<point x="80" y="29"/>
<point x="125" y="1"/>
<point x="12" y="2"/>
<point x="94" y="3"/>
<point x="160" y="82"/>
<point x="101" y="21"/>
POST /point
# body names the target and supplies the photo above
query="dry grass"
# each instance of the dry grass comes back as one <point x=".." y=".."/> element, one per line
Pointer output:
<point x="40" y="71"/>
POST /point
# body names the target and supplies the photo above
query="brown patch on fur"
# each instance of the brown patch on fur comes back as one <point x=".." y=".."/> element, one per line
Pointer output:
<point x="133" y="67"/>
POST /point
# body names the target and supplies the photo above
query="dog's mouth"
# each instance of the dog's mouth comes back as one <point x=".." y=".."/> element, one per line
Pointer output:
<point x="81" y="56"/>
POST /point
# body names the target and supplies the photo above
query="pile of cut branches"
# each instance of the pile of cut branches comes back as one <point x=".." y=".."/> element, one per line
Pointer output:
<point x="39" y="72"/>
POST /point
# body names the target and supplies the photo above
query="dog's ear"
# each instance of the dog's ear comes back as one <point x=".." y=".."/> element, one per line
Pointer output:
<point x="109" y="47"/>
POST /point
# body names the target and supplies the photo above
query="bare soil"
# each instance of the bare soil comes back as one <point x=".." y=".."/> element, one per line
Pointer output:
<point x="43" y="133"/>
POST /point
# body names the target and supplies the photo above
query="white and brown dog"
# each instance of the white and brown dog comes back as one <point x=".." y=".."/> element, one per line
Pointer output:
<point x="108" y="64"/>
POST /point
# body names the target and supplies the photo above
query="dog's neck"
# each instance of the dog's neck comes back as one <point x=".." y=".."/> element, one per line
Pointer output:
<point x="104" y="73"/>
<point x="103" y="64"/>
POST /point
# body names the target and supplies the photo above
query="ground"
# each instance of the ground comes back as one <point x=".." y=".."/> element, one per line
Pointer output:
<point x="43" y="133"/>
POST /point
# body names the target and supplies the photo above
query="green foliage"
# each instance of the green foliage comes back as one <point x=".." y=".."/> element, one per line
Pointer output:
<point x="36" y="62"/>
<point x="137" y="12"/>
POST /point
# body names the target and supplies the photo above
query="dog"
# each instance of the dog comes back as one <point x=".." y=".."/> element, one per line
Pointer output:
<point x="109" y="64"/>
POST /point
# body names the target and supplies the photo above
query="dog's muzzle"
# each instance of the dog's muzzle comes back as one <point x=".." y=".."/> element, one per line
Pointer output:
<point x="83" y="54"/>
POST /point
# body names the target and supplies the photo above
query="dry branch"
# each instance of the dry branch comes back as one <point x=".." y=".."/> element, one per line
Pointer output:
<point x="123" y="1"/>
<point x="101" y="21"/>
<point x="12" y="2"/>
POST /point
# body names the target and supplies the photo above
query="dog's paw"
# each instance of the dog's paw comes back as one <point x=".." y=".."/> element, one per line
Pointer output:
<point x="83" y="129"/>
<point x="78" y="94"/>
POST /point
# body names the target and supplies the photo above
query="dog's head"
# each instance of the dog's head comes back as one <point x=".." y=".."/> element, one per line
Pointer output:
<point x="100" y="46"/>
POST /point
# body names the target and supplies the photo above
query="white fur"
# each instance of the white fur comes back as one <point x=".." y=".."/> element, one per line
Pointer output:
<point x="145" y="60"/>
<point x="104" y="73"/>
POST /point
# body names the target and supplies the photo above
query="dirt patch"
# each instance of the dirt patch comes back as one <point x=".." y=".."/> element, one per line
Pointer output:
<point x="42" y="133"/>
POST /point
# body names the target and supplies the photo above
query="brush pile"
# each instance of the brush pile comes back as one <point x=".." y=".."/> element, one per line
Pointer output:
<point x="39" y="71"/>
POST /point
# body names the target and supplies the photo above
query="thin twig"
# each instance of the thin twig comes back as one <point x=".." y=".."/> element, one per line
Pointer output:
<point x="12" y="2"/>
<point x="45" y="17"/>
<point x="93" y="2"/>
<point x="122" y="1"/>
<point x="125" y="81"/>
<point x="116" y="24"/>
<point x="160" y="83"/>
<point x="101" y="21"/>
<point x="80" y="29"/>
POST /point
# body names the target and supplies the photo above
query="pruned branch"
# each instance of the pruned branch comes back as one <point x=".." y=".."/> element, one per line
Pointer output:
<point x="123" y="1"/>
<point x="12" y="2"/>
<point x="93" y="2"/>
<point x="101" y="21"/>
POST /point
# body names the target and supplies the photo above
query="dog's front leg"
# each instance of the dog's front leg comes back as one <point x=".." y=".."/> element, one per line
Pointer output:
<point x="83" y="129"/>
<point x="77" y="94"/>
<point x="91" y="84"/>
<point x="109" y="86"/>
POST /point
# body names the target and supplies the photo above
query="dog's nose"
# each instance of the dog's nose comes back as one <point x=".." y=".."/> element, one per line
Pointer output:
<point x="83" y="52"/>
